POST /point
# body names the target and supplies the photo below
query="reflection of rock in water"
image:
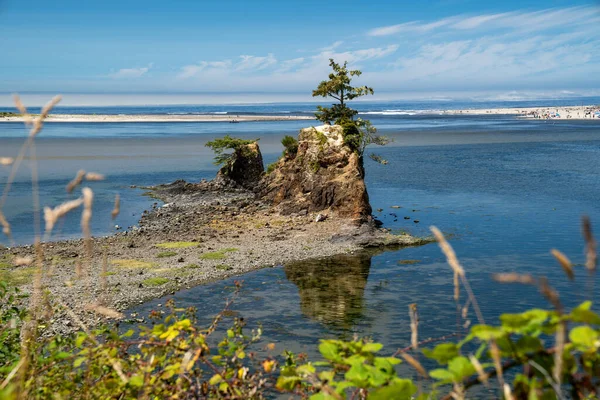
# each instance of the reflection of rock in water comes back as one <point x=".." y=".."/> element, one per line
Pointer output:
<point x="332" y="289"/>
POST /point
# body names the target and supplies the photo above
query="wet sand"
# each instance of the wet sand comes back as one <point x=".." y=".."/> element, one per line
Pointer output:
<point x="162" y="118"/>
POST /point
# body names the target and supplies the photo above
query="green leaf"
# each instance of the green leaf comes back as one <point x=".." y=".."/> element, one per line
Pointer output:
<point x="442" y="375"/>
<point x="358" y="374"/>
<point x="372" y="347"/>
<point x="461" y="367"/>
<point x="527" y="322"/>
<point x="584" y="315"/>
<point x="78" y="361"/>
<point x="287" y="382"/>
<point x="528" y="344"/>
<point x="400" y="389"/>
<point x="62" y="355"/>
<point x="127" y="334"/>
<point x="584" y="337"/>
<point x="306" y="369"/>
<point x="442" y="353"/>
<point x="215" y="379"/>
<point x="136" y="381"/>
<point x="486" y="332"/>
<point x="329" y="350"/>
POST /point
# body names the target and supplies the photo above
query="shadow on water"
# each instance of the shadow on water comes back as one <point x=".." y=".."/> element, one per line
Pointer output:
<point x="332" y="290"/>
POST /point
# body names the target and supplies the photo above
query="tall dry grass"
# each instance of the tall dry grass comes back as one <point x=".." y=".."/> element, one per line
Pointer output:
<point x="51" y="215"/>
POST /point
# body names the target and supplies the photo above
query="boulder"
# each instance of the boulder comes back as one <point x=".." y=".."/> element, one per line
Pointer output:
<point x="324" y="175"/>
<point x="245" y="168"/>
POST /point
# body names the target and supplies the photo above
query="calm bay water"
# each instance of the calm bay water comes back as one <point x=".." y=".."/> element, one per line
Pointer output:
<point x="507" y="190"/>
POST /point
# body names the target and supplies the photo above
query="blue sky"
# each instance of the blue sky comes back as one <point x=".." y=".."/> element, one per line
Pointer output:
<point x="276" y="47"/>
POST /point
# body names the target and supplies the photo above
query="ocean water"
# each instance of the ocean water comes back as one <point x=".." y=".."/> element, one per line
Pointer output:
<point x="505" y="190"/>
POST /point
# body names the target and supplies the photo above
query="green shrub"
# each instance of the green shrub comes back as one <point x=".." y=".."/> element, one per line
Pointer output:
<point x="271" y="167"/>
<point x="220" y="145"/>
<point x="290" y="144"/>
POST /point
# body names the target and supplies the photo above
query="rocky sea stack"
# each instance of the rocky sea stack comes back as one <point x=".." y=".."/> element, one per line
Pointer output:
<point x="245" y="168"/>
<point x="323" y="175"/>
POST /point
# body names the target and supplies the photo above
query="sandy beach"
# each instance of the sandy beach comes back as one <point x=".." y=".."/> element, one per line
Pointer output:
<point x="161" y="118"/>
<point x="571" y="112"/>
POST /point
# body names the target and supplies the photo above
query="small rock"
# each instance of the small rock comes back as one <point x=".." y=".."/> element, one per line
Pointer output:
<point x="321" y="218"/>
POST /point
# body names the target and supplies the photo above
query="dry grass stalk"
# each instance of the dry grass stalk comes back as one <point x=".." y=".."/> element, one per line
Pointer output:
<point x="51" y="215"/>
<point x="564" y="262"/>
<point x="456" y="287"/>
<point x="5" y="161"/>
<point x="5" y="225"/>
<point x="12" y="374"/>
<point x="561" y="333"/>
<point x="448" y="251"/>
<point x="495" y="353"/>
<point x="482" y="375"/>
<point x="507" y="392"/>
<point x="105" y="311"/>
<point x="117" y="208"/>
<point x="38" y="123"/>
<point x="86" y="217"/>
<point x="76" y="181"/>
<point x="458" y="392"/>
<point x="415" y="364"/>
<point x="414" y="325"/>
<point x="22" y="261"/>
<point x="93" y="176"/>
<point x="590" y="245"/>
<point x="512" y="277"/>
<point x="550" y="294"/>
<point x="28" y="143"/>
<point x="23" y="110"/>
<point x="459" y="271"/>
<point x="103" y="275"/>
<point x="78" y="269"/>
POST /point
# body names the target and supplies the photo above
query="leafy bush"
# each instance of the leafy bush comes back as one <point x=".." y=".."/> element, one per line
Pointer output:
<point x="220" y="145"/>
<point x="290" y="144"/>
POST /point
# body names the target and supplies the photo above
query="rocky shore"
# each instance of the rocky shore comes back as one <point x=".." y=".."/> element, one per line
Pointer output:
<point x="313" y="204"/>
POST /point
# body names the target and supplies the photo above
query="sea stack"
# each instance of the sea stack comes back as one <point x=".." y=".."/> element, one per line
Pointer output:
<point x="325" y="175"/>
<point x="245" y="168"/>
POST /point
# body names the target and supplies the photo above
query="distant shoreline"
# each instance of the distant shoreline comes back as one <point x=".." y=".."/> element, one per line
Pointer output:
<point x="161" y="118"/>
<point x="547" y="112"/>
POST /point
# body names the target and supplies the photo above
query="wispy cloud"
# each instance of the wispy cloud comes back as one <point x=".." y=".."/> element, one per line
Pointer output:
<point x="517" y="50"/>
<point x="254" y="63"/>
<point x="518" y="20"/>
<point x="131" y="72"/>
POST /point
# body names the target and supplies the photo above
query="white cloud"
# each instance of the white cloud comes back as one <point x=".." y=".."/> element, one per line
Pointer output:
<point x="333" y="46"/>
<point x="520" y="50"/>
<point x="254" y="63"/>
<point x="131" y="72"/>
<point x="520" y="20"/>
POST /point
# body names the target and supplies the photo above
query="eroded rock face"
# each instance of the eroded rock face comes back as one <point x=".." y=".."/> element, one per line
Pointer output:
<point x="324" y="175"/>
<point x="245" y="169"/>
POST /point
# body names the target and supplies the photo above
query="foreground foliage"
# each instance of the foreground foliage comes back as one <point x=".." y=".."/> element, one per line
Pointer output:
<point x="537" y="354"/>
